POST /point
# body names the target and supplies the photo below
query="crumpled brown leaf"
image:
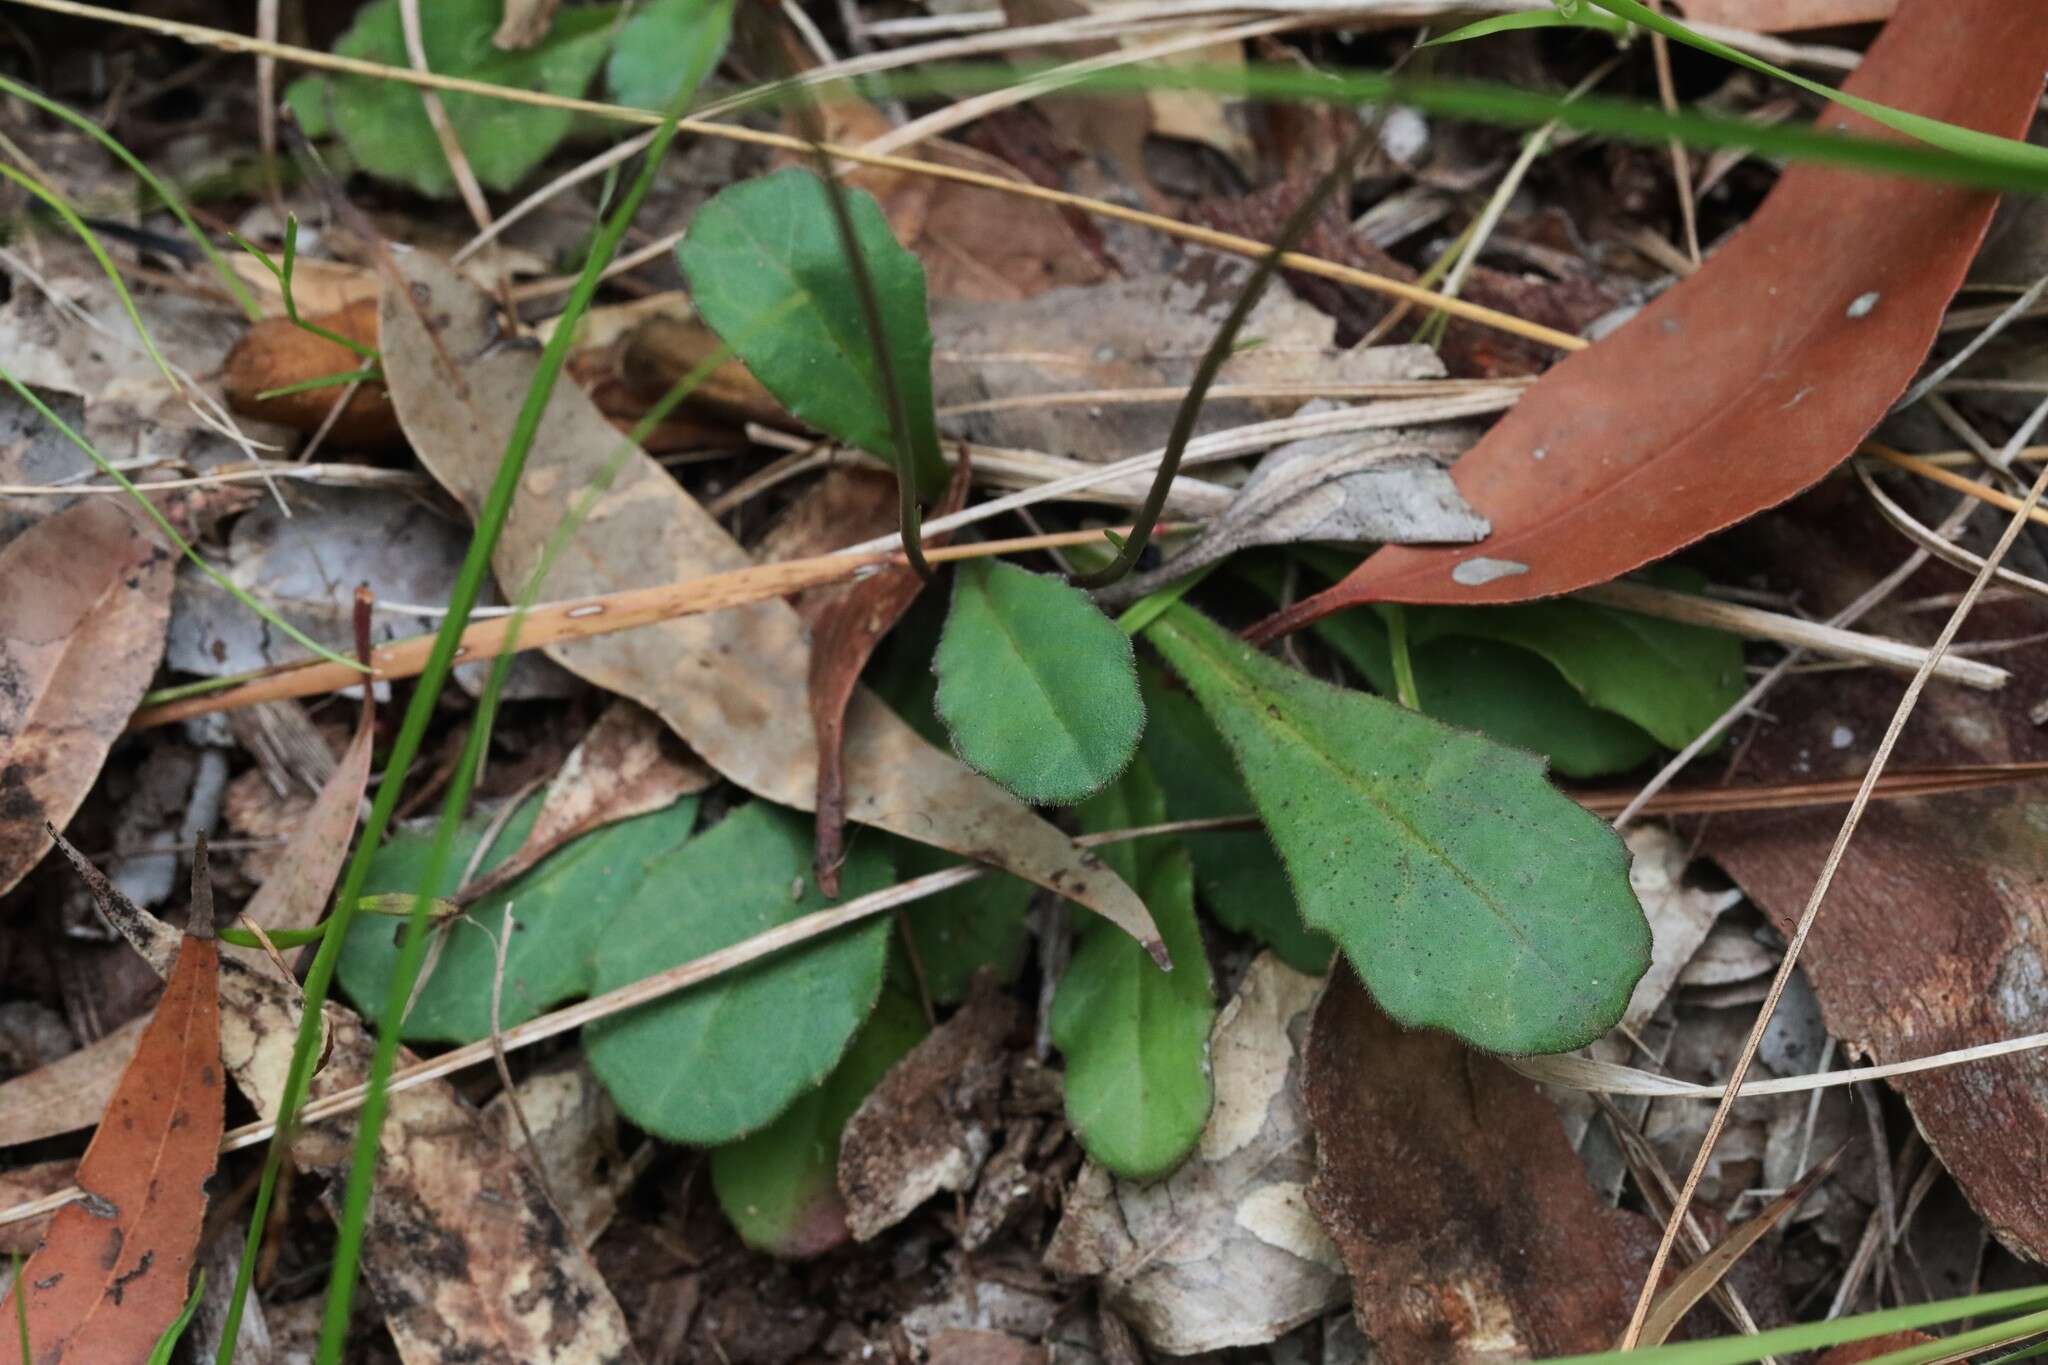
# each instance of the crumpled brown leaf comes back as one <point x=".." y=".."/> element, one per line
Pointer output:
<point x="464" y="1255"/>
<point x="926" y="1127"/>
<point x="88" y="594"/>
<point x="1461" y="1210"/>
<point x="1223" y="1252"/>
<point x="1384" y="487"/>
<point x="731" y="684"/>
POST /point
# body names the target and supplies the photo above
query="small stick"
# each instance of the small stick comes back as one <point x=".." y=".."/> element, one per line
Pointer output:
<point x="1791" y="630"/>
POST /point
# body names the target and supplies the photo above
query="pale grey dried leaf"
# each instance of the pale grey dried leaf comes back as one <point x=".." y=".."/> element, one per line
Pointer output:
<point x="1379" y="487"/>
<point x="1680" y="916"/>
<point x="506" y="1280"/>
<point x="577" y="1127"/>
<point x="1136" y="333"/>
<point x="732" y="684"/>
<point x="1225" y="1251"/>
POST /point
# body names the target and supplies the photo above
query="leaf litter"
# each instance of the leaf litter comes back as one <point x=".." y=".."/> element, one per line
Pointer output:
<point x="1076" y="345"/>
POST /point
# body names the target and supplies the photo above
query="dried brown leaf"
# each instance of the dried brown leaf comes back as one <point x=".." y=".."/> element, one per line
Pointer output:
<point x="81" y="629"/>
<point x="1224" y="1252"/>
<point x="113" y="1271"/>
<point x="278" y="353"/>
<point x="462" y="1252"/>
<point x="71" y="1092"/>
<point x="1463" y="1213"/>
<point x="295" y="894"/>
<point x="928" y="1126"/>
<point x="629" y="764"/>
<point x="729" y="684"/>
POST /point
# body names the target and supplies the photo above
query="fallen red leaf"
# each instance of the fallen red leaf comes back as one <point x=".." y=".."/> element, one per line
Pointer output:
<point x="1751" y="379"/>
<point x="114" y="1270"/>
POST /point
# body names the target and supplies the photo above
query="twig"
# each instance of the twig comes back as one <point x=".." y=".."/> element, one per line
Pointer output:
<point x="437" y="118"/>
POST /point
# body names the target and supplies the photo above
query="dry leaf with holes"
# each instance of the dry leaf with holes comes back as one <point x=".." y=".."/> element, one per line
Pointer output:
<point x="81" y="631"/>
<point x="731" y="684"/>
<point x="114" y="1270"/>
<point x="1225" y="1251"/>
<point x="526" y="1291"/>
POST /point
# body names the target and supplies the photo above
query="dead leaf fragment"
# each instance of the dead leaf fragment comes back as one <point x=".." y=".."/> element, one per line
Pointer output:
<point x="114" y="1270"/>
<point x="295" y="894"/>
<point x="927" y="1126"/>
<point x="525" y="23"/>
<point x="1753" y="377"/>
<point x="629" y="764"/>
<point x="730" y="683"/>
<point x="577" y="1126"/>
<point x="1225" y="1251"/>
<point x="81" y="630"/>
<point x="1460" y="1208"/>
<point x="278" y="353"/>
<point x="1384" y="487"/>
<point x="462" y="1252"/>
<point x="26" y="1183"/>
<point x="1780" y="16"/>
<point x="1856" y="1352"/>
<point x="1680" y="916"/>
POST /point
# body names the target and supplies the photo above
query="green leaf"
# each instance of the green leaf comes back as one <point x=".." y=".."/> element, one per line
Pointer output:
<point x="1136" y="1039"/>
<point x="724" y="1059"/>
<point x="769" y="246"/>
<point x="1469" y="894"/>
<point x="562" y="908"/>
<point x="1038" y="689"/>
<point x="1238" y="874"/>
<point x="1527" y="19"/>
<point x="667" y="48"/>
<point x="780" y="1187"/>
<point x="958" y="932"/>
<point x="385" y="125"/>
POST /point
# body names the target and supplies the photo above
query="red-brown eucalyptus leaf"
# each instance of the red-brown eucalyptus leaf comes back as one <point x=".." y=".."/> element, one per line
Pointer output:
<point x="86" y="597"/>
<point x="113" y="1271"/>
<point x="1750" y="380"/>
<point x="1462" y="1212"/>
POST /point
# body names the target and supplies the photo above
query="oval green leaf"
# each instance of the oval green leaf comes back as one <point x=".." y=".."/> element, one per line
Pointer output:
<point x="712" y="1064"/>
<point x="1038" y="689"/>
<point x="1469" y="894"/>
<point x="767" y="273"/>
<point x="666" y="49"/>
<point x="1136" y="1039"/>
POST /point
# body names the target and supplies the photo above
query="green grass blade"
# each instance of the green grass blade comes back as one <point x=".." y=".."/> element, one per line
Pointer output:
<point x="412" y="957"/>
<point x="1949" y="137"/>
<point x="160" y="1354"/>
<point x="164" y="192"/>
<point x="1527" y="19"/>
<point x="220" y="580"/>
<point x="1813" y="1336"/>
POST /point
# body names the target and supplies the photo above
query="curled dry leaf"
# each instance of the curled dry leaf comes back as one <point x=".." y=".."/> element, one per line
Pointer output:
<point x="1223" y="1252"/>
<point x="1934" y="934"/>
<point x="278" y="354"/>
<point x="847" y="620"/>
<point x="113" y="1271"/>
<point x="1753" y="377"/>
<point x="629" y="764"/>
<point x="81" y="629"/>
<point x="730" y="684"/>
<point x="1461" y="1210"/>
<point x="928" y="1126"/>
<point x="505" y="1279"/>
<point x="1384" y="487"/>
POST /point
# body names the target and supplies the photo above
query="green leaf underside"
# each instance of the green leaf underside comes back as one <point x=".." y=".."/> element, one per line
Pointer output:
<point x="667" y="48"/>
<point x="562" y="907"/>
<point x="1469" y="894"/>
<point x="1038" y="689"/>
<point x="1238" y="874"/>
<point x="385" y="125"/>
<point x="958" y="932"/>
<point x="780" y="1186"/>
<point x="1136" y="1039"/>
<point x="769" y="245"/>
<point x="724" y="1059"/>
